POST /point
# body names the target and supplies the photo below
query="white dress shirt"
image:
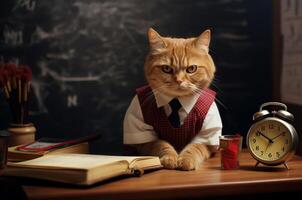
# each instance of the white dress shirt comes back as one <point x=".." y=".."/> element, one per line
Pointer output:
<point x="136" y="131"/>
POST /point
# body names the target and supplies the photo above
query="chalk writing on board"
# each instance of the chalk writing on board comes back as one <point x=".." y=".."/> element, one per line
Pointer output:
<point x="27" y="4"/>
<point x="12" y="37"/>
<point x="87" y="56"/>
<point x="291" y="77"/>
<point x="72" y="100"/>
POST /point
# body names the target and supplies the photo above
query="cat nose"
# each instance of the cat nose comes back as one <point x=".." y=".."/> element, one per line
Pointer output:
<point x="179" y="77"/>
<point x="179" y="81"/>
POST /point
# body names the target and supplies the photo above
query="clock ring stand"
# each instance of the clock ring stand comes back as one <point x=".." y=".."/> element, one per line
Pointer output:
<point x="272" y="130"/>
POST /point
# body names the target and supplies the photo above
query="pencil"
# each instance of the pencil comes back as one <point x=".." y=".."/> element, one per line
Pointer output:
<point x="15" y="84"/>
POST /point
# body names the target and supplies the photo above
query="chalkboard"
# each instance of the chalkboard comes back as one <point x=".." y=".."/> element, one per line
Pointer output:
<point x="87" y="58"/>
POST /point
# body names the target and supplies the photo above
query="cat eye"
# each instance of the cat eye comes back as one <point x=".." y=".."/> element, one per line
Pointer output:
<point x="191" y="69"/>
<point x="167" y="69"/>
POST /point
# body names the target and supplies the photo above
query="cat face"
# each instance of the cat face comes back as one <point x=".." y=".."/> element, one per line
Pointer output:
<point x="177" y="66"/>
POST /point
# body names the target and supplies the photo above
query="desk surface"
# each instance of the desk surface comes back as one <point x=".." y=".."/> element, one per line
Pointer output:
<point x="207" y="182"/>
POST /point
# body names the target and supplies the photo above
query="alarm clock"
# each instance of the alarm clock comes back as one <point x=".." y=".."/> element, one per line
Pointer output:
<point x="272" y="139"/>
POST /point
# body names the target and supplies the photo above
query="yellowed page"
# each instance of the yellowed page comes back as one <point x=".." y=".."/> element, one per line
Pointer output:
<point x="73" y="161"/>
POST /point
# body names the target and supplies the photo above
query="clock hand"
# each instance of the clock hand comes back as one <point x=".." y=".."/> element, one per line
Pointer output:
<point x="277" y="136"/>
<point x="267" y="146"/>
<point x="269" y="139"/>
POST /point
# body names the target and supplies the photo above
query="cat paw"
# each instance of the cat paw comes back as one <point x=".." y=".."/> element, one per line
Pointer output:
<point x="186" y="163"/>
<point x="169" y="161"/>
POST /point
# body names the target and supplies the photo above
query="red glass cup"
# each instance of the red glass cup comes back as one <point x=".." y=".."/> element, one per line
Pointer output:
<point x="230" y="147"/>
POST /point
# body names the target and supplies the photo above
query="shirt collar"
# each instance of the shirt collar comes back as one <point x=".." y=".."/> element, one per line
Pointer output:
<point x="187" y="102"/>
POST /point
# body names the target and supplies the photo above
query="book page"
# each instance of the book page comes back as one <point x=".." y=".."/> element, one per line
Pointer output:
<point x="291" y="29"/>
<point x="73" y="161"/>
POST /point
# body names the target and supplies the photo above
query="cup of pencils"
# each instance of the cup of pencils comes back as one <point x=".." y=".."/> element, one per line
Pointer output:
<point x="15" y="82"/>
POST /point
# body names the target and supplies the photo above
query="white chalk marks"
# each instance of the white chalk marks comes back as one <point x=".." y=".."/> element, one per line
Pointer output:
<point x="72" y="101"/>
<point x="26" y="4"/>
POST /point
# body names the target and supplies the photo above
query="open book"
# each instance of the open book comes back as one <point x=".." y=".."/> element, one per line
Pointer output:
<point x="81" y="169"/>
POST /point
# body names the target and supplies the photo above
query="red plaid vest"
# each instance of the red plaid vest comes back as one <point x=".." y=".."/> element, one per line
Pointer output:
<point x="156" y="117"/>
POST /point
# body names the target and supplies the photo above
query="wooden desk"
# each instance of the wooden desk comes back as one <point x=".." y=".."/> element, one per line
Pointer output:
<point x="210" y="181"/>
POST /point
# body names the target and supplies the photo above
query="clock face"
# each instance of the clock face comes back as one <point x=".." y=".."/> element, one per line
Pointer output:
<point x="270" y="140"/>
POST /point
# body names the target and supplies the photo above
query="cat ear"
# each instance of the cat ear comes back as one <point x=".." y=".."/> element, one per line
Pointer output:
<point x="156" y="42"/>
<point x="203" y="41"/>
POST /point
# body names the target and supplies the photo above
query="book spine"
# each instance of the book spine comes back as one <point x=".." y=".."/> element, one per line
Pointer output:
<point x="136" y="171"/>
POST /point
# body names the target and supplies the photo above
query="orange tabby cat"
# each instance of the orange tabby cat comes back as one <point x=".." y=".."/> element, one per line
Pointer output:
<point x="178" y="67"/>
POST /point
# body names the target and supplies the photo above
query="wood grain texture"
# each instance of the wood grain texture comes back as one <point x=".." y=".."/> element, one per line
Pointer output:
<point x="209" y="181"/>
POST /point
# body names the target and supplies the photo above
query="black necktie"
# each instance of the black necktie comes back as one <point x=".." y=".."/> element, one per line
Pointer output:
<point x="174" y="117"/>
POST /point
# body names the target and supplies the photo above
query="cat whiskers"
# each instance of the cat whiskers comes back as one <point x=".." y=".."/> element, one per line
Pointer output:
<point x="207" y="94"/>
<point x="150" y="95"/>
<point x="211" y="50"/>
<point x="214" y="81"/>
